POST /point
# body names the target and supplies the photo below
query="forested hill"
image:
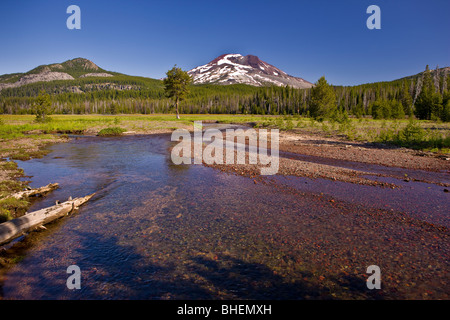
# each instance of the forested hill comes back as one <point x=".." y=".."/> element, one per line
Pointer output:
<point x="68" y="70"/>
<point x="79" y="86"/>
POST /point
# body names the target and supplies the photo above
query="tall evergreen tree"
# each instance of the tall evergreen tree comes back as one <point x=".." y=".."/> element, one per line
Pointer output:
<point x="323" y="100"/>
<point x="42" y="107"/>
<point x="176" y="85"/>
<point x="424" y="102"/>
<point x="406" y="99"/>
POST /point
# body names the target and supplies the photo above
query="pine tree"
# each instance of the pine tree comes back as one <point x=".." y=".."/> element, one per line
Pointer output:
<point x="176" y="85"/>
<point x="42" y="107"/>
<point x="423" y="104"/>
<point x="406" y="99"/>
<point x="397" y="111"/>
<point x="323" y="100"/>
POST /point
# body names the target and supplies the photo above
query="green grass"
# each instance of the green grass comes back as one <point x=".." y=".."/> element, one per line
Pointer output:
<point x="8" y="165"/>
<point x="435" y="135"/>
<point x="11" y="207"/>
<point x="18" y="126"/>
<point x="114" y="131"/>
<point x="9" y="186"/>
<point x="421" y="135"/>
<point x="23" y="155"/>
<point x="5" y="216"/>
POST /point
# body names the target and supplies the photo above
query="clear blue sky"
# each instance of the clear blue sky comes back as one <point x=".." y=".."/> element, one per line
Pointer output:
<point x="303" y="38"/>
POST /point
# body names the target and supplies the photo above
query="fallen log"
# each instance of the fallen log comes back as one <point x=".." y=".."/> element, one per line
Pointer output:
<point x="33" y="192"/>
<point x="17" y="227"/>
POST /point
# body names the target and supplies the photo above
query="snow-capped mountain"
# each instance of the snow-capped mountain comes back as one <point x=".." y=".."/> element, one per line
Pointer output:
<point x="235" y="68"/>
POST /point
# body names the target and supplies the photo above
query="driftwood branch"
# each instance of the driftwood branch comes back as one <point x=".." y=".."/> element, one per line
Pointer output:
<point x="15" y="228"/>
<point x="33" y="192"/>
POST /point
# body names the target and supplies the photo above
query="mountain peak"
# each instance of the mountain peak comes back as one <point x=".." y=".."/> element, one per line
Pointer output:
<point x="225" y="57"/>
<point x="67" y="70"/>
<point x="81" y="63"/>
<point x="235" y="68"/>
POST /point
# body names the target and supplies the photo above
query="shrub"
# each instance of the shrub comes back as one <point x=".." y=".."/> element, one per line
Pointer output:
<point x="5" y="216"/>
<point x="279" y="123"/>
<point x="289" y="124"/>
<point x="42" y="107"/>
<point x="114" y="131"/>
<point x="412" y="133"/>
<point x="325" y="127"/>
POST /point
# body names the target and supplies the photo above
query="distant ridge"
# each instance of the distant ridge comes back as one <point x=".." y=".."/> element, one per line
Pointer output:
<point x="68" y="70"/>
<point x="433" y="71"/>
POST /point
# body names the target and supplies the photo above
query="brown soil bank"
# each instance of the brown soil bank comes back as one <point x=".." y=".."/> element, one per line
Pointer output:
<point x="314" y="156"/>
<point x="379" y="154"/>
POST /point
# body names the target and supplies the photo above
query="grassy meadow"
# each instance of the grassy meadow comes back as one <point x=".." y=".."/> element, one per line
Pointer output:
<point x="423" y="135"/>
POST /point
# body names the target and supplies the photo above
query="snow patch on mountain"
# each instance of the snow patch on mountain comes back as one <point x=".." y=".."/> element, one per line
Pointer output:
<point x="235" y="68"/>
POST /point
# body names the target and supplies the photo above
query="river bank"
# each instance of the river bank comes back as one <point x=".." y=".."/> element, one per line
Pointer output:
<point x="316" y="156"/>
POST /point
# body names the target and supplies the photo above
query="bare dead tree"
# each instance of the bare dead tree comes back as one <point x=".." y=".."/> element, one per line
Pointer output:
<point x="436" y="79"/>
<point x="444" y="82"/>
<point x="418" y="88"/>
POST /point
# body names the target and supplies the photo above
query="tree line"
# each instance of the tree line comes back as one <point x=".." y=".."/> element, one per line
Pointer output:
<point x="425" y="96"/>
